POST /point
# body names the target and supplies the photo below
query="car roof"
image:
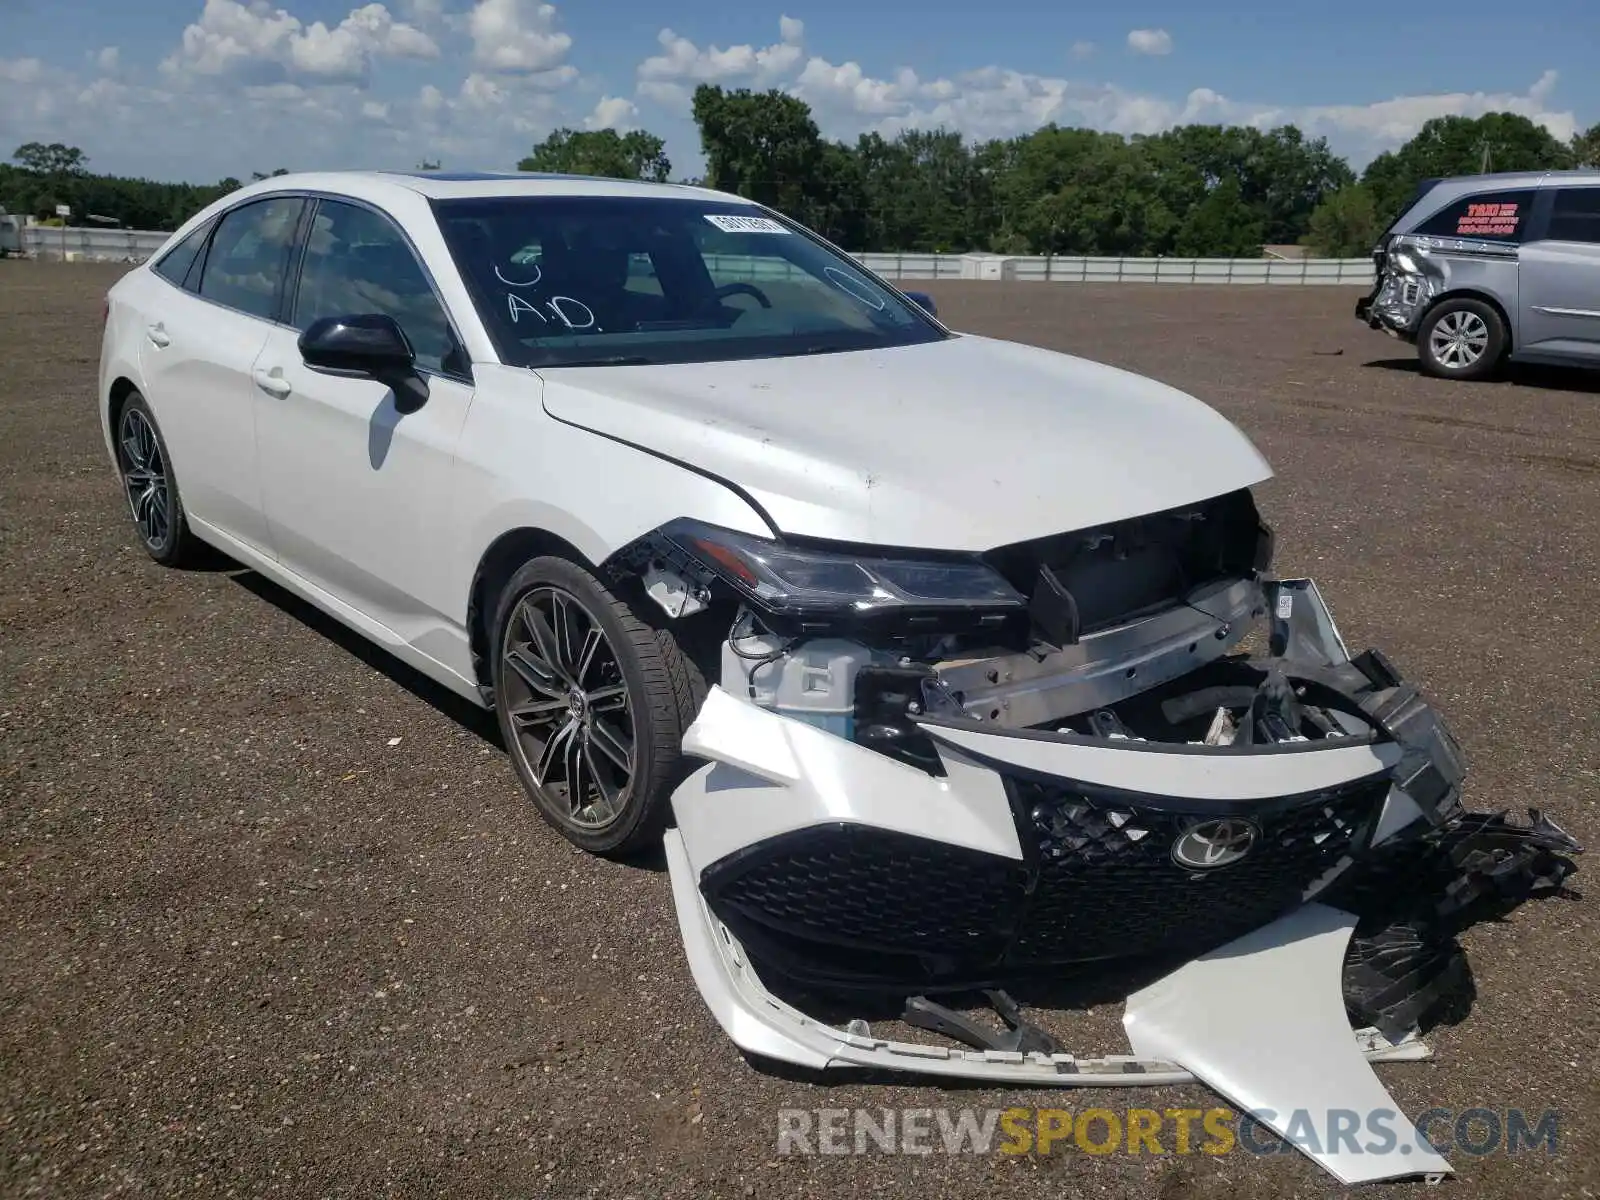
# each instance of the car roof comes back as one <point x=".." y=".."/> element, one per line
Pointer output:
<point x="1437" y="194"/>
<point x="1521" y="179"/>
<point x="460" y="185"/>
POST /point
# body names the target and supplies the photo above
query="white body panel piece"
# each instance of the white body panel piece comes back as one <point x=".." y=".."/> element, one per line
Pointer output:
<point x="863" y="447"/>
<point x="771" y="775"/>
<point x="1191" y="772"/>
<point x="1262" y="1020"/>
<point x="762" y="1024"/>
<point x="358" y="497"/>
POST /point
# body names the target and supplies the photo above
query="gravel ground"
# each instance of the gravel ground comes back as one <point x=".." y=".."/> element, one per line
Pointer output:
<point x="276" y="919"/>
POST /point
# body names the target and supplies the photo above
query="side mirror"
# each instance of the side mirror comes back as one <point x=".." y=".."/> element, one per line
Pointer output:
<point x="923" y="301"/>
<point x="366" y="345"/>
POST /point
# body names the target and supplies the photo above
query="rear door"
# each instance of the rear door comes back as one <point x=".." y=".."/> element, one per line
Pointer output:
<point x="204" y="328"/>
<point x="358" y="494"/>
<point x="1561" y="279"/>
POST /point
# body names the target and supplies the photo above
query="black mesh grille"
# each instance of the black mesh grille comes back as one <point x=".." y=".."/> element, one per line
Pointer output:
<point x="1098" y="880"/>
<point x="1108" y="884"/>
<point x="858" y="886"/>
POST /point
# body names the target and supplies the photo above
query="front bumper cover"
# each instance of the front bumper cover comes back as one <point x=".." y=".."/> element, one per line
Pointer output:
<point x="840" y="869"/>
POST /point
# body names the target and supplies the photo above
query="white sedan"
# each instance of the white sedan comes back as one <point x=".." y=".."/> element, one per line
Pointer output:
<point x="951" y="624"/>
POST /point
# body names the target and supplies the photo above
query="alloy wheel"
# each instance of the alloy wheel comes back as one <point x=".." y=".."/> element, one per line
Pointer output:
<point x="1459" y="339"/>
<point x="144" y="478"/>
<point x="567" y="705"/>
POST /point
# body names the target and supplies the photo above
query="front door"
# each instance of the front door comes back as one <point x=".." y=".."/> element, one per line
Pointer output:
<point x="357" y="494"/>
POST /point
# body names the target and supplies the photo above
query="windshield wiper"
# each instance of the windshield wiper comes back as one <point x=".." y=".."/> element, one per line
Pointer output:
<point x="611" y="360"/>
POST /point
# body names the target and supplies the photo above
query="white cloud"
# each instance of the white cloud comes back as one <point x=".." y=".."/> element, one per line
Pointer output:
<point x="667" y="78"/>
<point x="1081" y="50"/>
<point x="515" y="35"/>
<point x="995" y="102"/>
<point x="1150" y="41"/>
<point x="1363" y="130"/>
<point x="231" y="36"/>
<point x="611" y="112"/>
<point x="20" y="70"/>
<point x="423" y="13"/>
<point x="106" y="59"/>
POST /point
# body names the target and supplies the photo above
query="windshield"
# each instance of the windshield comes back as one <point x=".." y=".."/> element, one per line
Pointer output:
<point x="591" y="281"/>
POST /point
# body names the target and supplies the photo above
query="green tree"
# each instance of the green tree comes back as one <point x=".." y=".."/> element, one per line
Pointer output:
<point x="761" y="145"/>
<point x="1586" y="147"/>
<point x="54" y="159"/>
<point x="602" y="152"/>
<point x="1460" y="146"/>
<point x="1345" y="225"/>
<point x="1222" y="225"/>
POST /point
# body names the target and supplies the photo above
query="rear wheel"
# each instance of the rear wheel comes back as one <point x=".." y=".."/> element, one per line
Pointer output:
<point x="1461" y="339"/>
<point x="150" y="487"/>
<point x="592" y="703"/>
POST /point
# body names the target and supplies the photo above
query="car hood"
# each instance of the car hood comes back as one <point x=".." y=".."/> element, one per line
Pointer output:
<point x="963" y="444"/>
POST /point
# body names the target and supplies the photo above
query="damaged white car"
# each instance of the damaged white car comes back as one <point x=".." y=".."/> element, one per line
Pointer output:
<point x="951" y="663"/>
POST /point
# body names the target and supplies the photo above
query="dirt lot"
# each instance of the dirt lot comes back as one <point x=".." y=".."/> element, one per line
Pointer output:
<point x="277" y="921"/>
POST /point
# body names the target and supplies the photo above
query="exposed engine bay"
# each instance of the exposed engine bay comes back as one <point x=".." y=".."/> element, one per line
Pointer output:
<point x="931" y="776"/>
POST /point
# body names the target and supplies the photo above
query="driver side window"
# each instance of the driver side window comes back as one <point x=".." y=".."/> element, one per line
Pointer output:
<point x="358" y="262"/>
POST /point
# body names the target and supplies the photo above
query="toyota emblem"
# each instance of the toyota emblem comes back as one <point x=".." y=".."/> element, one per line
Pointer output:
<point x="1207" y="845"/>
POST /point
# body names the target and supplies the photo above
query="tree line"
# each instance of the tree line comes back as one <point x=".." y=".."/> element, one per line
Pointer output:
<point x="1202" y="190"/>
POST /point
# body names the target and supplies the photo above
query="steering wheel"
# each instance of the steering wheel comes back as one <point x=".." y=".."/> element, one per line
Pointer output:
<point x="739" y="289"/>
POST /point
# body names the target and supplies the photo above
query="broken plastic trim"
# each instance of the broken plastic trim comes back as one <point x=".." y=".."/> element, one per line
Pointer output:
<point x="763" y="1025"/>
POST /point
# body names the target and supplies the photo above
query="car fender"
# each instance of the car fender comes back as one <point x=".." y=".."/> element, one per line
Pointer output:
<point x="519" y="468"/>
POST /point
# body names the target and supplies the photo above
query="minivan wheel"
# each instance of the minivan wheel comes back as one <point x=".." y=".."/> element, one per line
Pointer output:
<point x="1461" y="339"/>
<point x="149" y="485"/>
<point x="592" y="703"/>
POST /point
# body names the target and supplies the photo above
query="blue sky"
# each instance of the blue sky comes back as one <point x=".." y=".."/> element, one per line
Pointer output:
<point x="201" y="89"/>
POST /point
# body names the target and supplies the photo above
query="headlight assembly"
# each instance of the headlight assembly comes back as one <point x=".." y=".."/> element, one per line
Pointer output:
<point x="799" y="581"/>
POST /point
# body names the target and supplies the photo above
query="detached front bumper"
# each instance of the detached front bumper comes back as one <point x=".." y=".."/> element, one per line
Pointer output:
<point x="840" y="867"/>
<point x="802" y="860"/>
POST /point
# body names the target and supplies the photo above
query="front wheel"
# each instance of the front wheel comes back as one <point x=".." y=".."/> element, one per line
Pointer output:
<point x="1461" y="339"/>
<point x="592" y="703"/>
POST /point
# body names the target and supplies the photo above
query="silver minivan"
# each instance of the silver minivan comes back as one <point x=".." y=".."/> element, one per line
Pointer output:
<point x="1483" y="268"/>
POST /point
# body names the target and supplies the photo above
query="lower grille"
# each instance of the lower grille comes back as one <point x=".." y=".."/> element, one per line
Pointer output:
<point x="1109" y="884"/>
<point x="875" y="889"/>
<point x="1100" y="879"/>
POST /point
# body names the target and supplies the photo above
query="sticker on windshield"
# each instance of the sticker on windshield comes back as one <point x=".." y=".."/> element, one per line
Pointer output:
<point x="732" y="224"/>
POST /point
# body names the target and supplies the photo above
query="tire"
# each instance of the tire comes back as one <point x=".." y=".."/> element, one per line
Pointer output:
<point x="612" y="715"/>
<point x="150" y="487"/>
<point x="1461" y="339"/>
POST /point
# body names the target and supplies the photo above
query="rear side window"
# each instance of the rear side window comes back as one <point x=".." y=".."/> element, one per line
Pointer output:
<point x="249" y="256"/>
<point x="176" y="263"/>
<point x="1491" y="216"/>
<point x="1575" y="216"/>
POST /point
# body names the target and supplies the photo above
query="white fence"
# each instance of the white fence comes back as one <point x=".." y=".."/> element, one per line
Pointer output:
<point x="1064" y="269"/>
<point x="91" y="245"/>
<point x="133" y="245"/>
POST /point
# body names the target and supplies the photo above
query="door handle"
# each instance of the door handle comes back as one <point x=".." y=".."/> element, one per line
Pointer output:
<point x="158" y="335"/>
<point x="272" y="382"/>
